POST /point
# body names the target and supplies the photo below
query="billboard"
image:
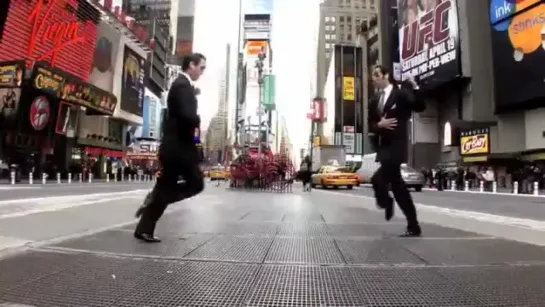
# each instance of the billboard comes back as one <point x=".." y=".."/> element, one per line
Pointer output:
<point x="132" y="86"/>
<point x="475" y="142"/>
<point x="105" y="58"/>
<point x="253" y="48"/>
<point x="429" y="41"/>
<point x="518" y="51"/>
<point x="61" y="33"/>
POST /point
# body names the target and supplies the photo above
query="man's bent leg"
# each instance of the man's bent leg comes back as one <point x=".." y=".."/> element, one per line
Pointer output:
<point x="403" y="198"/>
<point x="380" y="186"/>
<point x="164" y="187"/>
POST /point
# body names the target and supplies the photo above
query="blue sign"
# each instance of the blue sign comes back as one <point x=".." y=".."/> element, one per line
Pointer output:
<point x="146" y="117"/>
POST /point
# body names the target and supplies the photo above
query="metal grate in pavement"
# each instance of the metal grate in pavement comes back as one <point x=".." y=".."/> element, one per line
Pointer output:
<point x="409" y="287"/>
<point x="303" y="229"/>
<point x="31" y="266"/>
<point x="100" y="282"/>
<point x="229" y="248"/>
<point x="203" y="226"/>
<point x="195" y="284"/>
<point x="357" y="230"/>
<point x="260" y="229"/>
<point x="303" y="286"/>
<point x="298" y="217"/>
<point x="123" y="242"/>
<point x="504" y="286"/>
<point x="474" y="252"/>
<point x="376" y="251"/>
<point x="263" y="216"/>
<point x="307" y="251"/>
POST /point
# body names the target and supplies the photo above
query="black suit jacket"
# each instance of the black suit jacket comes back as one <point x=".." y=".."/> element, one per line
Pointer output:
<point x="181" y="120"/>
<point x="391" y="145"/>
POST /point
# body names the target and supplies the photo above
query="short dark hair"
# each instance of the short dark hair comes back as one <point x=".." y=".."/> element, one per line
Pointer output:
<point x="194" y="58"/>
<point x="384" y="70"/>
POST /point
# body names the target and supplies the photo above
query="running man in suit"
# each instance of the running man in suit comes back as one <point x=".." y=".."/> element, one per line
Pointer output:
<point x="178" y="154"/>
<point x="389" y="113"/>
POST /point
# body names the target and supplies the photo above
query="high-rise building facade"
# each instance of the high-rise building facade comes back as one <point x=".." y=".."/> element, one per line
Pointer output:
<point x="218" y="127"/>
<point x="185" y="30"/>
<point x="157" y="17"/>
<point x="339" y="24"/>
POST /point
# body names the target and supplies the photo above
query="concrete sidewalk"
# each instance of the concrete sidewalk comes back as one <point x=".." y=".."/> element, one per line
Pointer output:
<point x="258" y="249"/>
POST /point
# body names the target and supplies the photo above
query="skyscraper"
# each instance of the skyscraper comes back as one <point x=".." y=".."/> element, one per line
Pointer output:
<point x="339" y="23"/>
<point x="185" y="31"/>
<point x="218" y="128"/>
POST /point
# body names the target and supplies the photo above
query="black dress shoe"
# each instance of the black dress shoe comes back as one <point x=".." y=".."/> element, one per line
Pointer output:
<point x="146" y="237"/>
<point x="411" y="233"/>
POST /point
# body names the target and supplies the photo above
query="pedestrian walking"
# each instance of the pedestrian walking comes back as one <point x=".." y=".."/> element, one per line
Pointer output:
<point x="305" y="173"/>
<point x="178" y="154"/>
<point x="389" y="113"/>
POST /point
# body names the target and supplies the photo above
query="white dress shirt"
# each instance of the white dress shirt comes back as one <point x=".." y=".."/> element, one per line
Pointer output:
<point x="385" y="95"/>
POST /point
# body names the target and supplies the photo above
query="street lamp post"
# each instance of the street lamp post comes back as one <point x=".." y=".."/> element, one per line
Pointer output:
<point x="259" y="64"/>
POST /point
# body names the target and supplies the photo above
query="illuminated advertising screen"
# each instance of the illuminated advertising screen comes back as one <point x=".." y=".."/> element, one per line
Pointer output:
<point x="518" y="52"/>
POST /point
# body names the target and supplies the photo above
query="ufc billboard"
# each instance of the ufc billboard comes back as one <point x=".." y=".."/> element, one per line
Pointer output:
<point x="429" y="41"/>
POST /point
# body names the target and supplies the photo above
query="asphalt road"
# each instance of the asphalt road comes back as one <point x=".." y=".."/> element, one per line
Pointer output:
<point x="9" y="192"/>
<point x="507" y="205"/>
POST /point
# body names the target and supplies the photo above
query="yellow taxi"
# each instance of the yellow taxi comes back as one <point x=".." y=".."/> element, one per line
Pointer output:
<point x="334" y="176"/>
<point x="218" y="173"/>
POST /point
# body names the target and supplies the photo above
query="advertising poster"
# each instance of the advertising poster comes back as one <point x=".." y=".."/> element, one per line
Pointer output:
<point x="429" y="41"/>
<point x="11" y="73"/>
<point x="9" y="103"/>
<point x="67" y="120"/>
<point x="518" y="51"/>
<point x="475" y="142"/>
<point x="253" y="48"/>
<point x="104" y="61"/>
<point x="133" y="82"/>
<point x="348" y="88"/>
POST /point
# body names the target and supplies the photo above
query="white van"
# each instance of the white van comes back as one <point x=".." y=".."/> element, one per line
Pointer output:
<point x="412" y="178"/>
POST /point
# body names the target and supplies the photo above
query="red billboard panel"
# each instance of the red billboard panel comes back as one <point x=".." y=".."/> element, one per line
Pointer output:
<point x="60" y="32"/>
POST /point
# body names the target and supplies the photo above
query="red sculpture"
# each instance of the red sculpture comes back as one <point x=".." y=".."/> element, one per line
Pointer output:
<point x="268" y="172"/>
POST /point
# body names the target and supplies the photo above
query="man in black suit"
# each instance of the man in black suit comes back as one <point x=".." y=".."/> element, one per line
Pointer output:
<point x="389" y="113"/>
<point x="178" y="154"/>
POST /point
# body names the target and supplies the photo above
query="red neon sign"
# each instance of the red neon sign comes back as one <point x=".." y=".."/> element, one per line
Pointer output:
<point x="62" y="34"/>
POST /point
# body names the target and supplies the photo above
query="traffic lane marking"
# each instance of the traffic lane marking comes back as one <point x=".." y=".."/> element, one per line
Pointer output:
<point x="54" y="198"/>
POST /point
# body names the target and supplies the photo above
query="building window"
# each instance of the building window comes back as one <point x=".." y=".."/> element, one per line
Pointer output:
<point x="341" y="19"/>
<point x="327" y="19"/>
<point x="349" y="37"/>
<point x="333" y="37"/>
<point x="327" y="37"/>
<point x="327" y="46"/>
<point x="332" y="19"/>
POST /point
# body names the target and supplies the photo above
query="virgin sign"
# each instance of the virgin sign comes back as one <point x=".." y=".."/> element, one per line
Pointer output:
<point x="62" y="34"/>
